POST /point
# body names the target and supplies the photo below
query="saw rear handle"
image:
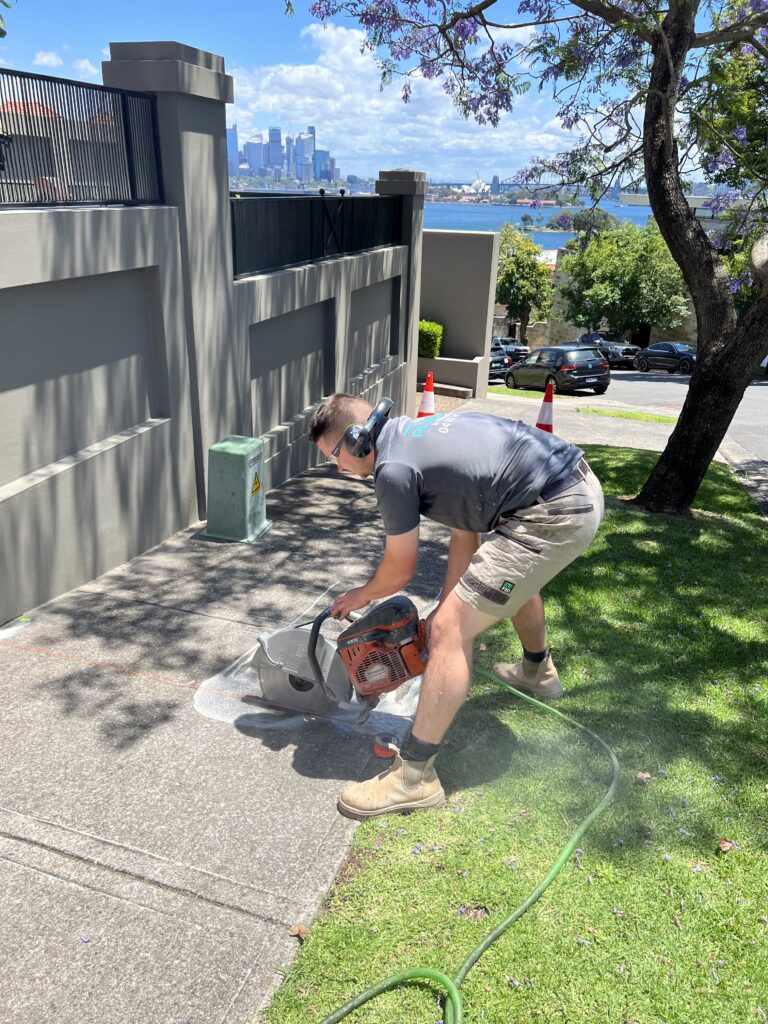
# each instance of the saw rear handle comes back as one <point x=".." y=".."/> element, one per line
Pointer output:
<point x="317" y="672"/>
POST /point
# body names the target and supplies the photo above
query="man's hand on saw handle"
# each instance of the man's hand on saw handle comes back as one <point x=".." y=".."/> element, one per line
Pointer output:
<point x="349" y="602"/>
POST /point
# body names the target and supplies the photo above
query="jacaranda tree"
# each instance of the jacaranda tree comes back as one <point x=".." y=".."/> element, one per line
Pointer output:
<point x="652" y="92"/>
<point x="3" y="30"/>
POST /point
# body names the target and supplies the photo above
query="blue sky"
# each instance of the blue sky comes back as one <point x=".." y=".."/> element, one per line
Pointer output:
<point x="289" y="72"/>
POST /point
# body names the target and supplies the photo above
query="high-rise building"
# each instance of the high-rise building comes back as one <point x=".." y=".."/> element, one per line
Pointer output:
<point x="290" y="156"/>
<point x="275" y="154"/>
<point x="305" y="157"/>
<point x="495" y="185"/>
<point x="233" y="151"/>
<point x="255" y="156"/>
<point x="322" y="165"/>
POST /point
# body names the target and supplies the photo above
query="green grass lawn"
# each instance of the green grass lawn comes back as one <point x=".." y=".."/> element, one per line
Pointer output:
<point x="619" y="414"/>
<point x="627" y="414"/>
<point x="517" y="392"/>
<point x="660" y="634"/>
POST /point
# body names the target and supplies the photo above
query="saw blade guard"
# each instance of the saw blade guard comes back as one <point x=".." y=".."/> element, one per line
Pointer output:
<point x="286" y="675"/>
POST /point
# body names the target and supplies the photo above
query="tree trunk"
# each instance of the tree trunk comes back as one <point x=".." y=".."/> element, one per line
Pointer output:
<point x="716" y="389"/>
<point x="728" y="350"/>
<point x="643" y="335"/>
<point x="524" y="318"/>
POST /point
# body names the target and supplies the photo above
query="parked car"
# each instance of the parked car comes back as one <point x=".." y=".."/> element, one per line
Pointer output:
<point x="500" y="361"/>
<point x="620" y="355"/>
<point x="596" y="338"/>
<point x="513" y="348"/>
<point x="569" y="367"/>
<point x="672" y="356"/>
<point x="503" y="356"/>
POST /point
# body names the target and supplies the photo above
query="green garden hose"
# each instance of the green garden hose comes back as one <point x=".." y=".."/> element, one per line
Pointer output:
<point x="454" y="1013"/>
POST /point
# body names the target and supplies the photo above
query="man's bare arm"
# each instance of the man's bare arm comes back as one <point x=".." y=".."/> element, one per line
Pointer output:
<point x="395" y="569"/>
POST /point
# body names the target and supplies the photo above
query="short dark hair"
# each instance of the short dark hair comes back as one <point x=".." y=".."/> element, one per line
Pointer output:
<point x="336" y="413"/>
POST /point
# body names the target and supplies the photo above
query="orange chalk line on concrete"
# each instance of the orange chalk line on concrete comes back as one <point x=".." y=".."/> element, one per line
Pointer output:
<point x="110" y="666"/>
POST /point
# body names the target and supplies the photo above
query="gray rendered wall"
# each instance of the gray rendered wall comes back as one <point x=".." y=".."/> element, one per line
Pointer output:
<point x="95" y="422"/>
<point x="127" y="349"/>
<point x="458" y="288"/>
<point x="238" y="386"/>
<point x="316" y="329"/>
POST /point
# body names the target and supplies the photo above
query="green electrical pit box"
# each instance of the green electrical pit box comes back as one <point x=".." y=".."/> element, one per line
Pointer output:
<point x="237" y="504"/>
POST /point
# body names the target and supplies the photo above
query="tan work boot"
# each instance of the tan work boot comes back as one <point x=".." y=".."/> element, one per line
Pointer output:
<point x="405" y="786"/>
<point x="538" y="678"/>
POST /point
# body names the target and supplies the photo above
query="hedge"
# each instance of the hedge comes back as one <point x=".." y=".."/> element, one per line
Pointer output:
<point x="430" y="339"/>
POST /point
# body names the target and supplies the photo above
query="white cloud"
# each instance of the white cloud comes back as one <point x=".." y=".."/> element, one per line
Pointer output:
<point x="4" y="63"/>
<point x="368" y="130"/>
<point x="84" y="68"/>
<point x="47" y="59"/>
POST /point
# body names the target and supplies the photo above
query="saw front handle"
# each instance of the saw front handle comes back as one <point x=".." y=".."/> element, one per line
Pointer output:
<point x="314" y="634"/>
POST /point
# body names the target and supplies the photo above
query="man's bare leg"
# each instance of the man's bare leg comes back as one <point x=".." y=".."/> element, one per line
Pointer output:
<point x="449" y="669"/>
<point x="530" y="625"/>
<point x="411" y="784"/>
<point x="535" y="673"/>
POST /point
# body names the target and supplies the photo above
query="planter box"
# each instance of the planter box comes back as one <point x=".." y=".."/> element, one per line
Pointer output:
<point x="465" y="373"/>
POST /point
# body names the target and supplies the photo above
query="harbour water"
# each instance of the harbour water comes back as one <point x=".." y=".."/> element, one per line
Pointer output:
<point x="487" y="217"/>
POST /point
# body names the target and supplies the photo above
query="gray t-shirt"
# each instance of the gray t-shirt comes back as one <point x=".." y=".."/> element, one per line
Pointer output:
<point x="466" y="470"/>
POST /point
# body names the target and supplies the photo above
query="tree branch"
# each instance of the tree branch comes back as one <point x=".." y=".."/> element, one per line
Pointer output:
<point x="743" y="32"/>
<point x="616" y="16"/>
<point x="759" y="259"/>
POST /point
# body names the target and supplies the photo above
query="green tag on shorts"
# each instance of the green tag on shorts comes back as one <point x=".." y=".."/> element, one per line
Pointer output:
<point x="507" y="587"/>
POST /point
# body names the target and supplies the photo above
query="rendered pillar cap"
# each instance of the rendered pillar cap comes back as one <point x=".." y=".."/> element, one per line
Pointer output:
<point x="167" y="50"/>
<point x="403" y="173"/>
<point x="168" y="67"/>
<point x="401" y="182"/>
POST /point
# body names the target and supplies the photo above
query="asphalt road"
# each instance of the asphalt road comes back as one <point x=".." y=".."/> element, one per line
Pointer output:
<point x="665" y="393"/>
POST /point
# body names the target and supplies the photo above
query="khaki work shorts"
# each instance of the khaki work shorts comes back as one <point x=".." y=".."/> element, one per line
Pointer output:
<point x="529" y="548"/>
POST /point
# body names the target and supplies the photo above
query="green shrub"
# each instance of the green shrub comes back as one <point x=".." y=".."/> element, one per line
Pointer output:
<point x="430" y="339"/>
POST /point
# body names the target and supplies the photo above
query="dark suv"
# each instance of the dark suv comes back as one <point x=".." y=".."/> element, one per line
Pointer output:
<point x="568" y="367"/>
<point x="619" y="354"/>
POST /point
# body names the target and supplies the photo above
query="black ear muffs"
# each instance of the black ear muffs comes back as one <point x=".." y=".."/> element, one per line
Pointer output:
<point x="358" y="439"/>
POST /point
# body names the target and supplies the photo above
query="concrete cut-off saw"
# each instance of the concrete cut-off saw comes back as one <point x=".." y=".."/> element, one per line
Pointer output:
<point x="367" y="679"/>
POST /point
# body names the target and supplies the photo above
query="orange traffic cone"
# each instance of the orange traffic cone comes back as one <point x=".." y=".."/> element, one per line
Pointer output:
<point x="544" y="422"/>
<point x="427" y="406"/>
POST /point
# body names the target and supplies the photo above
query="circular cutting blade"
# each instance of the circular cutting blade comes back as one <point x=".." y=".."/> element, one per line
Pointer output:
<point x="286" y="678"/>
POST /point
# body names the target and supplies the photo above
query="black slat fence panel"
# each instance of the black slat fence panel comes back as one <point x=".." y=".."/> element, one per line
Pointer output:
<point x="273" y="230"/>
<point x="70" y="143"/>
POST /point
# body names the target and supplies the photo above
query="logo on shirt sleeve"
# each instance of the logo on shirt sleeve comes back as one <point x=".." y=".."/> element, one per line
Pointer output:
<point x="507" y="587"/>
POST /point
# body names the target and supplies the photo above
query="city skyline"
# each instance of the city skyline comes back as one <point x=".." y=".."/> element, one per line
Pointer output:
<point x="296" y="157"/>
<point x="293" y="72"/>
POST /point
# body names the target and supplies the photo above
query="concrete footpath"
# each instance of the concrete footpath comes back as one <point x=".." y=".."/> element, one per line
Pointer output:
<point x="152" y="860"/>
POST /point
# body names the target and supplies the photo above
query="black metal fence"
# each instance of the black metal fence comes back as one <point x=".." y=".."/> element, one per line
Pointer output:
<point x="69" y="143"/>
<point x="271" y="231"/>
